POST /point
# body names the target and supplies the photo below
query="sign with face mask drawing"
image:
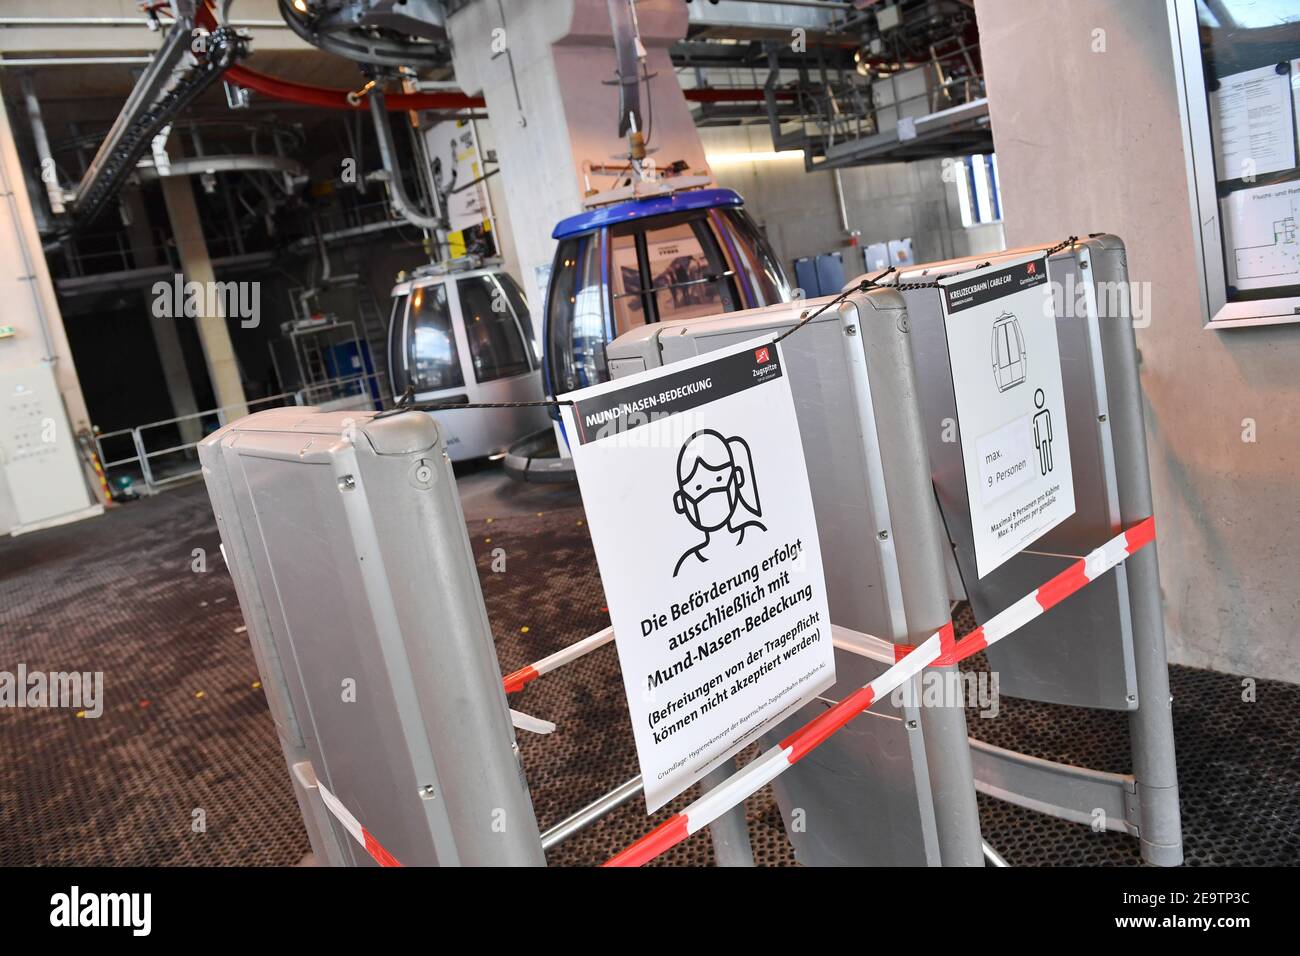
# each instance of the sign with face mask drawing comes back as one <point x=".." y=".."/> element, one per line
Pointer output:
<point x="697" y="498"/>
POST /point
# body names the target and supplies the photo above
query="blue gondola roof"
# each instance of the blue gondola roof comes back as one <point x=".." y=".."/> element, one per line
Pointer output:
<point x="641" y="208"/>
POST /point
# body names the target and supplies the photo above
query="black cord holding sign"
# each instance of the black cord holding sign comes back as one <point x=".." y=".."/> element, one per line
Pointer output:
<point x="404" y="404"/>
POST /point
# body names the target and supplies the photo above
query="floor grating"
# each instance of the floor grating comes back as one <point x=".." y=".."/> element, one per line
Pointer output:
<point x="183" y="767"/>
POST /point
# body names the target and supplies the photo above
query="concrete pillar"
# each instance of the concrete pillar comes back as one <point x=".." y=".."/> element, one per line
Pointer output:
<point x="166" y="335"/>
<point x="214" y="333"/>
<point x="545" y="70"/>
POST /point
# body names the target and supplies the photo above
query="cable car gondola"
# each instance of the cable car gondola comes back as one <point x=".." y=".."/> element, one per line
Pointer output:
<point x="675" y="255"/>
<point x="460" y="333"/>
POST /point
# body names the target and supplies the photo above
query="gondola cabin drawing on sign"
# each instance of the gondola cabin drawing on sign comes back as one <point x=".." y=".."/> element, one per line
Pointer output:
<point x="1008" y="347"/>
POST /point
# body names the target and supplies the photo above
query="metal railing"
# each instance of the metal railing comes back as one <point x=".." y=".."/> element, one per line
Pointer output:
<point x="178" y="460"/>
<point x="844" y="116"/>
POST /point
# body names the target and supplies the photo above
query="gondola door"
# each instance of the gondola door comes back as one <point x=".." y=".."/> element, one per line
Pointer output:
<point x="497" y="361"/>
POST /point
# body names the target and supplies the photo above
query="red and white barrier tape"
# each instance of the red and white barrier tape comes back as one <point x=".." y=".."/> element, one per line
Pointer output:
<point x="940" y="649"/>
<point x="1072" y="579"/>
<point x="353" y="826"/>
<point x="516" y="680"/>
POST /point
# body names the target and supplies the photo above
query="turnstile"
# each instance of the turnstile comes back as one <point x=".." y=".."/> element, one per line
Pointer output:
<point x="344" y="536"/>
<point x="894" y="787"/>
<point x="350" y="557"/>
<point x="1104" y="646"/>
<point x="1083" y="653"/>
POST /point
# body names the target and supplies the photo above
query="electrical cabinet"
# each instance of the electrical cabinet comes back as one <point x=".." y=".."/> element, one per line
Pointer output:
<point x="41" y="478"/>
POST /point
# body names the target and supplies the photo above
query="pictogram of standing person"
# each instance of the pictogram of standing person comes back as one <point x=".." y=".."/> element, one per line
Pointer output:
<point x="1043" y="432"/>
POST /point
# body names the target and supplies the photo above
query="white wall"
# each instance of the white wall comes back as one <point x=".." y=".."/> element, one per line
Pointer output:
<point x="1090" y="141"/>
<point x="28" y="303"/>
<point x="801" y="214"/>
<point x="26" y="292"/>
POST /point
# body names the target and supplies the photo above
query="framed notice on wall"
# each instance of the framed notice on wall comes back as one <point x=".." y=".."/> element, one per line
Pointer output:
<point x="1237" y="64"/>
<point x="456" y="167"/>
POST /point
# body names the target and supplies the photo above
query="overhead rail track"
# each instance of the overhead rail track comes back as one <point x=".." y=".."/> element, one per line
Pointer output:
<point x="165" y="90"/>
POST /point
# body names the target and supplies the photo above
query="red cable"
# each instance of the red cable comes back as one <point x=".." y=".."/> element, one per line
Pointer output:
<point x="333" y="99"/>
<point x="338" y="99"/>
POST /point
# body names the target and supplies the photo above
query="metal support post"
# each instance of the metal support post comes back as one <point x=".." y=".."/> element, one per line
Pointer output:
<point x="1151" y="728"/>
<point x="455" y="679"/>
<point x="598" y="809"/>
<point x="145" y="471"/>
<point x="730" y="832"/>
<point x="883" y="384"/>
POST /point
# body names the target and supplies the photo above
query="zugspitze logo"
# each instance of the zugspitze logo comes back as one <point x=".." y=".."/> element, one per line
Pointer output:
<point x="761" y="355"/>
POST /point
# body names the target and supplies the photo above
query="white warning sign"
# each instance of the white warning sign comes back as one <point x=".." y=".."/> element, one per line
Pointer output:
<point x="696" y="492"/>
<point x="1006" y="373"/>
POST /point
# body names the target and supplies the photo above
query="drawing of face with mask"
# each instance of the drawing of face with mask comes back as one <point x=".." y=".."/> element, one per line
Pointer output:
<point x="717" y="492"/>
